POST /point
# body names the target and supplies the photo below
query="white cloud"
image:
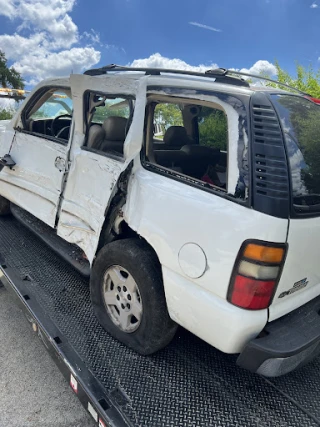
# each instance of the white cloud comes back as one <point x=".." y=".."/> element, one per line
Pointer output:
<point x="158" y="61"/>
<point x="49" y="50"/>
<point x="206" y="27"/>
<point x="16" y="46"/>
<point x="93" y="36"/>
<point x="48" y="15"/>
<point x="261" y="66"/>
<point x="7" y="8"/>
<point x="314" y="5"/>
<point x="64" y="32"/>
<point x="38" y="67"/>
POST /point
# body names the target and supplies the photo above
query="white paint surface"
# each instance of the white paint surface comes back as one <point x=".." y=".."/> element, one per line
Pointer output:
<point x="34" y="183"/>
<point x="93" y="176"/>
<point x="91" y="181"/>
<point x="175" y="218"/>
<point x="170" y="214"/>
<point x="302" y="262"/>
<point x="210" y="317"/>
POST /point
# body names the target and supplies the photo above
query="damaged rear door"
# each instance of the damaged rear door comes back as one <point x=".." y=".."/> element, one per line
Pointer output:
<point x="108" y="135"/>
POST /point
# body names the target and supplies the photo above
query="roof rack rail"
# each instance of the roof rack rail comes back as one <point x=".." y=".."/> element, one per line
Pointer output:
<point x="218" y="74"/>
<point x="221" y="75"/>
<point x="256" y="76"/>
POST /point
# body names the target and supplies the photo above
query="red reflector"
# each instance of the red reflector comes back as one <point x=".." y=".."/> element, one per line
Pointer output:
<point x="252" y="294"/>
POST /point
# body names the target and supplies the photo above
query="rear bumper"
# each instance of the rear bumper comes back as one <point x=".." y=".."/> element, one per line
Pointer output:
<point x="287" y="343"/>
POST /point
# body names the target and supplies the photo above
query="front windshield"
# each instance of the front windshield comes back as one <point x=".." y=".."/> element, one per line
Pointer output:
<point x="57" y="105"/>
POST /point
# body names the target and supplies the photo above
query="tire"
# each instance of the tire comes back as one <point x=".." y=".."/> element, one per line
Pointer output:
<point x="4" y="206"/>
<point x="114" y="268"/>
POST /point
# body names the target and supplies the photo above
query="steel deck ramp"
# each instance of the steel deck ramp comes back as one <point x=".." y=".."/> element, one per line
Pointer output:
<point x="187" y="384"/>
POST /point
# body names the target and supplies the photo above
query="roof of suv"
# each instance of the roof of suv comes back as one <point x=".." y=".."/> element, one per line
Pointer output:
<point x="220" y="76"/>
<point x="221" y="80"/>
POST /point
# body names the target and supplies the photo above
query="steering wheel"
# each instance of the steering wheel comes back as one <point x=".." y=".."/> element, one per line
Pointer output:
<point x="54" y="125"/>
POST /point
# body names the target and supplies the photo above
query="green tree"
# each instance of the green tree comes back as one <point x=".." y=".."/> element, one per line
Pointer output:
<point x="168" y="115"/>
<point x="306" y="79"/>
<point x="213" y="128"/>
<point x="9" y="77"/>
<point x="6" y="114"/>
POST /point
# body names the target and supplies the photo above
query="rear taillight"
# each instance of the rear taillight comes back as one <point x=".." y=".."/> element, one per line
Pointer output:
<point x="256" y="274"/>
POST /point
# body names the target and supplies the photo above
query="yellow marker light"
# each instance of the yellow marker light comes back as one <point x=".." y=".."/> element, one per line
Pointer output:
<point x="264" y="253"/>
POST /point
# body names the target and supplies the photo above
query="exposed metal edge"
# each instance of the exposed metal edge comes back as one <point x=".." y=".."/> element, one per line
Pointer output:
<point x="88" y="389"/>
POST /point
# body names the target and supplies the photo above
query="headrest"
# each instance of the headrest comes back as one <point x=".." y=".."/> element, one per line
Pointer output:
<point x="115" y="128"/>
<point x="176" y="136"/>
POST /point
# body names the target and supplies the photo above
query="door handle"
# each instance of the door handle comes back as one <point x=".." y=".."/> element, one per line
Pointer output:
<point x="8" y="161"/>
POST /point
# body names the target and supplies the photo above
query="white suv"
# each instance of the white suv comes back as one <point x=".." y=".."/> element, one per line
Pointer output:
<point x="188" y="198"/>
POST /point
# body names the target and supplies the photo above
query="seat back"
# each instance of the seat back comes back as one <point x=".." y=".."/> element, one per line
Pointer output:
<point x="95" y="136"/>
<point x="176" y="137"/>
<point x="114" y="134"/>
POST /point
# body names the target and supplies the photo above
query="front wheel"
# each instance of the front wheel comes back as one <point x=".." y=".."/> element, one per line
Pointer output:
<point x="4" y="206"/>
<point x="128" y="296"/>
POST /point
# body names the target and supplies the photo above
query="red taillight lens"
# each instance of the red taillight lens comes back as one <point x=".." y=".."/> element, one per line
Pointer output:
<point x="256" y="274"/>
<point x="251" y="293"/>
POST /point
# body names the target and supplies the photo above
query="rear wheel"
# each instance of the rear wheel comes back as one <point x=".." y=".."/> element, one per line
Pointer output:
<point x="4" y="206"/>
<point x="128" y="296"/>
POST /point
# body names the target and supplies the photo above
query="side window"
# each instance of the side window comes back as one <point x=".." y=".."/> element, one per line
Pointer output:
<point x="193" y="140"/>
<point x="108" y="122"/>
<point x="51" y="114"/>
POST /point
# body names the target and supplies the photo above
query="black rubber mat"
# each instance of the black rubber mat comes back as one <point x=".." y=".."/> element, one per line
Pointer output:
<point x="187" y="384"/>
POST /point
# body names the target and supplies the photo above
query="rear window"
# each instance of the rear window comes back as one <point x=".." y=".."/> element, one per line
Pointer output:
<point x="300" y="120"/>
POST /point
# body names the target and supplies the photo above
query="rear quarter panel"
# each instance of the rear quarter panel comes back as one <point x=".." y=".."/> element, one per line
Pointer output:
<point x="300" y="279"/>
<point x="169" y="214"/>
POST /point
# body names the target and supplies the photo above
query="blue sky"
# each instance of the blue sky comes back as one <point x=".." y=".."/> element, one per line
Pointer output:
<point x="53" y="37"/>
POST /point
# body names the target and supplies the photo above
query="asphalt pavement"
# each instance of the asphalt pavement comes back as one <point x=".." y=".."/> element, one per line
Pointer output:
<point x="33" y="392"/>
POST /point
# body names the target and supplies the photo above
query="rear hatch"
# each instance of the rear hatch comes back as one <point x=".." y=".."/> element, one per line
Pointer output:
<point x="300" y="280"/>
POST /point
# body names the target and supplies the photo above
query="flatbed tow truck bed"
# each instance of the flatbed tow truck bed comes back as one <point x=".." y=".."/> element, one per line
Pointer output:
<point x="187" y="384"/>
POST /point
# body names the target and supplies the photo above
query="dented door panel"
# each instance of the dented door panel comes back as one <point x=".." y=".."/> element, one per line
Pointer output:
<point x="35" y="182"/>
<point x="93" y="176"/>
<point x="91" y="181"/>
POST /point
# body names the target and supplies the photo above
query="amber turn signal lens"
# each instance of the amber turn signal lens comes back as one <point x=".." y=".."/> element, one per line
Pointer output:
<point x="264" y="253"/>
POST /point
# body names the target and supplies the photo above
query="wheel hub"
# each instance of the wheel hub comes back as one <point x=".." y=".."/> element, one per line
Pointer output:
<point x="122" y="298"/>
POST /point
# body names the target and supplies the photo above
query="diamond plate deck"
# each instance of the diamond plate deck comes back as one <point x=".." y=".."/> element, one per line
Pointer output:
<point x="187" y="384"/>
